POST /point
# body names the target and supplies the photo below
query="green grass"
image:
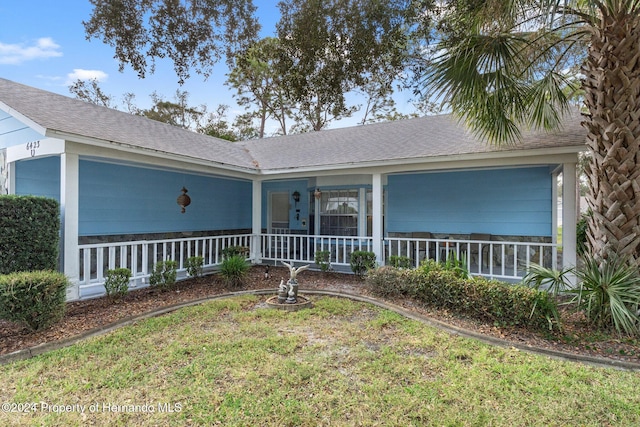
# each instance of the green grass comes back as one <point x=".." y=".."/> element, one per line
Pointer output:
<point x="231" y="362"/>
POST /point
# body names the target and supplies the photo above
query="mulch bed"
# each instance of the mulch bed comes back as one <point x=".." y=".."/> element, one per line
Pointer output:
<point x="81" y="316"/>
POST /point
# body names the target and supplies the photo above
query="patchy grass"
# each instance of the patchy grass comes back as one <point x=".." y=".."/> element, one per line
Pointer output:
<point x="232" y="362"/>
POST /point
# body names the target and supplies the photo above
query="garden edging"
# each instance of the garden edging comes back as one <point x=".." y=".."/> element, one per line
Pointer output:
<point x="453" y="330"/>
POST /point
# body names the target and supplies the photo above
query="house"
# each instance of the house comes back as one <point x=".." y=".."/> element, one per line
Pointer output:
<point x="418" y="188"/>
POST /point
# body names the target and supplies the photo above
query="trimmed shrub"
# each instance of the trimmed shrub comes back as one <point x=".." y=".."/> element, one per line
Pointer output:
<point x="501" y="303"/>
<point x="234" y="270"/>
<point x="323" y="260"/>
<point x="399" y="261"/>
<point x="362" y="261"/>
<point x="116" y="283"/>
<point x="388" y="281"/>
<point x="29" y="233"/>
<point x="194" y="266"/>
<point x="164" y="275"/>
<point x="34" y="298"/>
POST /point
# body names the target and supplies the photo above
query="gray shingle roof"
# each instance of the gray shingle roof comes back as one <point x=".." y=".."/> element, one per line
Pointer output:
<point x="71" y="116"/>
<point x="427" y="137"/>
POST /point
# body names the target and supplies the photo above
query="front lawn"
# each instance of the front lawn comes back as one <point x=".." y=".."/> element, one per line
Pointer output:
<point x="235" y="362"/>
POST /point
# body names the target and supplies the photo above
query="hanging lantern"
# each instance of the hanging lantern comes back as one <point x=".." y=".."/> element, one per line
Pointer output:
<point x="317" y="194"/>
<point x="184" y="200"/>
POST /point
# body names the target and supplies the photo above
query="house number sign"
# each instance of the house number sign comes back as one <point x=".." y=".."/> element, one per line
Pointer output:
<point x="32" y="147"/>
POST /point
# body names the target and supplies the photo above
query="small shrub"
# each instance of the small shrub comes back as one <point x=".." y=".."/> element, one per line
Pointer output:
<point x="399" y="261"/>
<point x="116" y="282"/>
<point x="235" y="250"/>
<point x="234" y="270"/>
<point x="164" y="275"/>
<point x="609" y="294"/>
<point x="362" y="261"/>
<point x="194" y="266"/>
<point x="323" y="260"/>
<point x="548" y="279"/>
<point x="34" y="298"/>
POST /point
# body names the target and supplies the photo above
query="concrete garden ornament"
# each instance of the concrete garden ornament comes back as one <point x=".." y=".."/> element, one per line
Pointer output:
<point x="292" y="283"/>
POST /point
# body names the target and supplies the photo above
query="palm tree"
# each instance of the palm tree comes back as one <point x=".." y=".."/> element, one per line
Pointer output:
<point x="502" y="65"/>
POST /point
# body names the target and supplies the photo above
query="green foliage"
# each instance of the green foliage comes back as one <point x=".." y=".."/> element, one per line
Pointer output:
<point x="548" y="279"/>
<point x="362" y="261"/>
<point x="436" y="285"/>
<point x="193" y="35"/>
<point x="29" y="233"/>
<point x="116" y="282"/>
<point x="388" y="281"/>
<point x="233" y="270"/>
<point x="609" y="294"/>
<point x="235" y="250"/>
<point x="33" y="298"/>
<point x="399" y="261"/>
<point x="458" y="266"/>
<point x="323" y="260"/>
<point x="194" y="266"/>
<point x="164" y="275"/>
<point x="332" y="48"/>
<point x="581" y="233"/>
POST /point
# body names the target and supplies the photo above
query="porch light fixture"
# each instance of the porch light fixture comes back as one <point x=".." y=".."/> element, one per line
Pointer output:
<point x="317" y="194"/>
<point x="296" y="196"/>
<point x="183" y="200"/>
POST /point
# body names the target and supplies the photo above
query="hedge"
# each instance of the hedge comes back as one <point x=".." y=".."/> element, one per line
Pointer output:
<point x="29" y="233"/>
<point x="488" y="300"/>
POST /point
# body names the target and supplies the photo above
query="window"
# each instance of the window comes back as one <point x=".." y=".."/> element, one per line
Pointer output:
<point x="339" y="213"/>
<point x="345" y="212"/>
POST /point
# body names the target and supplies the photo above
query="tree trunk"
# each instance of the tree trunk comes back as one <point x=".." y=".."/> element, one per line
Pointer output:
<point x="612" y="96"/>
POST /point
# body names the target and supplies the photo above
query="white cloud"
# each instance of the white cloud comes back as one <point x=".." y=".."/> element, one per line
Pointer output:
<point x="80" y="74"/>
<point x="16" y="54"/>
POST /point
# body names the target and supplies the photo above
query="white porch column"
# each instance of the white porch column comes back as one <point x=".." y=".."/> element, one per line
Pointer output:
<point x="569" y="255"/>
<point x="377" y="222"/>
<point x="11" y="169"/>
<point x="69" y="208"/>
<point x="256" y="221"/>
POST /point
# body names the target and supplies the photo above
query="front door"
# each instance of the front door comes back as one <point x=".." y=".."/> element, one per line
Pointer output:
<point x="279" y="213"/>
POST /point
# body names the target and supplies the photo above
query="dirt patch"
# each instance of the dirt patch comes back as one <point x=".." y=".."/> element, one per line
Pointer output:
<point x="81" y="316"/>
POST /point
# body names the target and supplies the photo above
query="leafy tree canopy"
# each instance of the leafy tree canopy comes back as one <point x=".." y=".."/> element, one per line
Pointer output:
<point x="331" y="47"/>
<point x="193" y="34"/>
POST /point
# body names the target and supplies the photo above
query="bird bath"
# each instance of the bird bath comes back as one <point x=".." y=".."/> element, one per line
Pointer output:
<point x="288" y="298"/>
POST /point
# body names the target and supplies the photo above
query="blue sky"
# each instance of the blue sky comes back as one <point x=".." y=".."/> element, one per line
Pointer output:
<point x="43" y="44"/>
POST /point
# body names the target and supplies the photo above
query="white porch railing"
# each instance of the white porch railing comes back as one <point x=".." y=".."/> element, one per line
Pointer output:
<point x="302" y="248"/>
<point x="140" y="257"/>
<point x="494" y="259"/>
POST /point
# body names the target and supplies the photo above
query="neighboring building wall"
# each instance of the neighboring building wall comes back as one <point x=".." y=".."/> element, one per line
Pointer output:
<point x="38" y="177"/>
<point x="512" y="202"/>
<point x="123" y="200"/>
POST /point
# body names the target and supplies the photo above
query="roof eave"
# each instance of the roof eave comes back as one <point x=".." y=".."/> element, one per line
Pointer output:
<point x="445" y="161"/>
<point x="148" y="151"/>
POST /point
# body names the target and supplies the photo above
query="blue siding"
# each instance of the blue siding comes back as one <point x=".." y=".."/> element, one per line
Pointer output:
<point x="289" y="186"/>
<point x="503" y="201"/>
<point x="39" y="177"/>
<point x="119" y="199"/>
